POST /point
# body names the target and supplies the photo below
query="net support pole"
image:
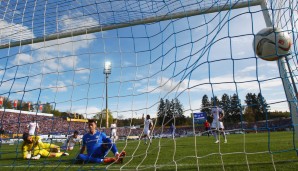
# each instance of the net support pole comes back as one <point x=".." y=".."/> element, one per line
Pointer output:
<point x="289" y="88"/>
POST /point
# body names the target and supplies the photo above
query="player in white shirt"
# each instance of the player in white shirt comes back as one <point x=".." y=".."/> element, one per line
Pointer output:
<point x="113" y="135"/>
<point x="148" y="124"/>
<point x="71" y="141"/>
<point x="33" y="127"/>
<point x="217" y="124"/>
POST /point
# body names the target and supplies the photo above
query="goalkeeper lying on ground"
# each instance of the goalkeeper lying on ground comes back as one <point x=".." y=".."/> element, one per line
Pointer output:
<point x="34" y="148"/>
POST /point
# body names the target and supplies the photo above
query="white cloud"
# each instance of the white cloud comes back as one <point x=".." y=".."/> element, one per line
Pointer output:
<point x="70" y="61"/>
<point x="60" y="87"/>
<point x="249" y="69"/>
<point x="82" y="71"/>
<point x="71" y="44"/>
<point x="89" y="112"/>
<point x="22" y="59"/>
<point x="20" y="84"/>
<point x="15" y="32"/>
<point x="66" y="45"/>
<point x="49" y="63"/>
<point x="242" y="40"/>
<point x="137" y="85"/>
<point x="241" y="53"/>
<point x="10" y="86"/>
<point x="76" y="21"/>
<point x="47" y="51"/>
<point x="165" y="84"/>
<point x="126" y="63"/>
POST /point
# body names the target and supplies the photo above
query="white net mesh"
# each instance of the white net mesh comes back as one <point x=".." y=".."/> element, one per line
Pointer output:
<point x="53" y="53"/>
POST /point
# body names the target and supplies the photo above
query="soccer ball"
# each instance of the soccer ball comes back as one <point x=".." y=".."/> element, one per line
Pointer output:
<point x="271" y="43"/>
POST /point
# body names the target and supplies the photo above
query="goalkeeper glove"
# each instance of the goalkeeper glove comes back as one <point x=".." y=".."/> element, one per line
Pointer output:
<point x="36" y="157"/>
<point x="28" y="156"/>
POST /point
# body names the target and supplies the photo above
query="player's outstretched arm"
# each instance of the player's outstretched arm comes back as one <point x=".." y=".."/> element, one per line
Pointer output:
<point x="221" y="116"/>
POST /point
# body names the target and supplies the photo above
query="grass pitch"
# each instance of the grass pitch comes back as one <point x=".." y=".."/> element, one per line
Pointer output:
<point x="254" y="152"/>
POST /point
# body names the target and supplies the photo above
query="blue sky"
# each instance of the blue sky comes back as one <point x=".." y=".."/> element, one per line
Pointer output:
<point x="186" y="58"/>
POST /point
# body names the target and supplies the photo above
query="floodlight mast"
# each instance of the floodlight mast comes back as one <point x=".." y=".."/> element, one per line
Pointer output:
<point x="107" y="71"/>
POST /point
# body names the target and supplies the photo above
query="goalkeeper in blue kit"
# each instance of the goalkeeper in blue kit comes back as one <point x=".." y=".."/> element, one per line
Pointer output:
<point x="98" y="146"/>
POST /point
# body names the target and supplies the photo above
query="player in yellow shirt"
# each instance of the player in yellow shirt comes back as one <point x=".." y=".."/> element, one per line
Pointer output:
<point x="33" y="146"/>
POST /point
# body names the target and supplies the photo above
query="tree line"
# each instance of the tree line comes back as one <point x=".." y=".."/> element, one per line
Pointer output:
<point x="255" y="109"/>
<point x="168" y="112"/>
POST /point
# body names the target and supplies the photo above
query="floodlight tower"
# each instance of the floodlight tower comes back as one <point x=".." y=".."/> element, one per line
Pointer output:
<point x="107" y="72"/>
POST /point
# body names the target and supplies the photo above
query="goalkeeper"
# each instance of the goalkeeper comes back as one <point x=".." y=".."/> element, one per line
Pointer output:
<point x="98" y="146"/>
<point x="34" y="148"/>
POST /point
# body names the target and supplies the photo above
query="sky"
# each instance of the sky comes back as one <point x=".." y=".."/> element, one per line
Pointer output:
<point x="186" y="58"/>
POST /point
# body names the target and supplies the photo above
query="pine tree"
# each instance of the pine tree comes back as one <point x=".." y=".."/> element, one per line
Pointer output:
<point x="167" y="107"/>
<point x="164" y="111"/>
<point x="249" y="115"/>
<point x="205" y="106"/>
<point x="161" y="107"/>
<point x="263" y="107"/>
<point x="177" y="112"/>
<point x="161" y="111"/>
<point x="215" y="101"/>
<point x="179" y="107"/>
<point x="225" y="105"/>
<point x="235" y="108"/>
<point x="170" y="110"/>
<point x="251" y="101"/>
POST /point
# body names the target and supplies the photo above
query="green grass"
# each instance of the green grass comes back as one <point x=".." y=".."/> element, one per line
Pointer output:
<point x="242" y="152"/>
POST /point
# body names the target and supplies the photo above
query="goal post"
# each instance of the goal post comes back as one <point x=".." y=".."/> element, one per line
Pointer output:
<point x="286" y="76"/>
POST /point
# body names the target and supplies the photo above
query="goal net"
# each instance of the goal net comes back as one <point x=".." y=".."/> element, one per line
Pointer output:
<point x="64" y="62"/>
